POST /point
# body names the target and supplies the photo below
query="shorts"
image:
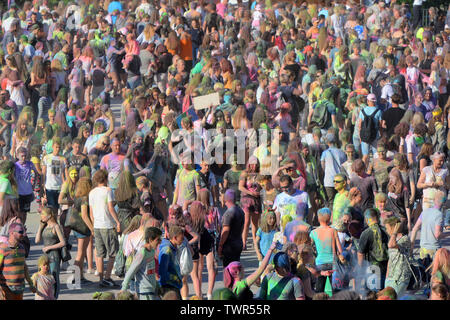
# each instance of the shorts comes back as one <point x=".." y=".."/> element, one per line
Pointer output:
<point x="80" y="236"/>
<point x="206" y="245"/>
<point x="423" y="253"/>
<point x="367" y="148"/>
<point x="25" y="202"/>
<point x="106" y="242"/>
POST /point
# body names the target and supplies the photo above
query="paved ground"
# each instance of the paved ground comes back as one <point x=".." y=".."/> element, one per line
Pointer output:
<point x="248" y="259"/>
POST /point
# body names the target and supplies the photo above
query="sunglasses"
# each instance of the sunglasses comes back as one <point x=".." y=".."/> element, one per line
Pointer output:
<point x="290" y="169"/>
<point x="284" y="187"/>
<point x="338" y="181"/>
<point x="19" y="232"/>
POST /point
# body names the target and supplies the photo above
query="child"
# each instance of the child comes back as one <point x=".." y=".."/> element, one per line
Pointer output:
<point x="268" y="192"/>
<point x="265" y="234"/>
<point x="380" y="204"/>
<point x="43" y="281"/>
<point x="143" y="267"/>
<point x="36" y="178"/>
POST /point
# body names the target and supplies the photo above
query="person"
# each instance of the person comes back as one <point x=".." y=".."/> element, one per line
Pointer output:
<point x="143" y="267"/>
<point x="341" y="201"/>
<point x="127" y="199"/>
<point x="43" y="281"/>
<point x="374" y="113"/>
<point x="234" y="278"/>
<point x="54" y="172"/>
<point x="265" y="234"/>
<point x="280" y="284"/>
<point x="112" y="163"/>
<point x="106" y="226"/>
<point x="373" y="244"/>
<point x="24" y="169"/>
<point x="331" y="161"/>
<point x="169" y="269"/>
<point x="52" y="235"/>
<point x="439" y="292"/>
<point x="288" y="201"/>
<point x="84" y="241"/>
<point x="8" y="185"/>
<point x="365" y="183"/>
<point x="327" y="245"/>
<point x="431" y="224"/>
<point x="398" y="271"/>
<point x="230" y="245"/>
<point x="297" y="225"/>
<point x="433" y="178"/>
<point x="398" y="198"/>
<point x="392" y="116"/>
<point x="13" y="268"/>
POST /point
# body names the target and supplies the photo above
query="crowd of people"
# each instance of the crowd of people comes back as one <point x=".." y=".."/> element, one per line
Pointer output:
<point x="324" y="134"/>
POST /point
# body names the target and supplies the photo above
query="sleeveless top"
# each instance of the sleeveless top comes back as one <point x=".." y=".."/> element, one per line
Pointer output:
<point x="50" y="239"/>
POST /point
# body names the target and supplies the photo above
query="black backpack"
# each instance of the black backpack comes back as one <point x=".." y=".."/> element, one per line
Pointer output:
<point x="213" y="21"/>
<point x="368" y="127"/>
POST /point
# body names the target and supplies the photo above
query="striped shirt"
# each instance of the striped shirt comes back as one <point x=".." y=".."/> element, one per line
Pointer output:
<point x="12" y="267"/>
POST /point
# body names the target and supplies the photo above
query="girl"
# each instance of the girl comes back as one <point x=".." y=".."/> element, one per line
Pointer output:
<point x="264" y="235"/>
<point x="66" y="197"/>
<point x="35" y="153"/>
<point x="52" y="235"/>
<point x="21" y="136"/>
<point x="84" y="246"/>
<point x="213" y="226"/>
<point x="250" y="198"/>
<point x="43" y="281"/>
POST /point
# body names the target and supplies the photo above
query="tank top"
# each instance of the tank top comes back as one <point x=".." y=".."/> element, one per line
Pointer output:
<point x="51" y="239"/>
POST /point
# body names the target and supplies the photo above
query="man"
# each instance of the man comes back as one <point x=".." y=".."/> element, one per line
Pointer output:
<point x="188" y="182"/>
<point x="371" y="110"/>
<point x="431" y="222"/>
<point x="298" y="224"/>
<point x="99" y="127"/>
<point x="169" y="268"/>
<point x="54" y="172"/>
<point x="280" y="284"/>
<point x="112" y="163"/>
<point x="386" y="91"/>
<point x="414" y="142"/>
<point x="143" y="267"/>
<point x="392" y="116"/>
<point x="13" y="268"/>
<point x="230" y="245"/>
<point x="106" y="226"/>
<point x="75" y="158"/>
<point x="22" y="174"/>
<point x="373" y="245"/>
<point x="341" y="200"/>
<point x="287" y="202"/>
<point x="331" y="161"/>
<point x="365" y="183"/>
<point x="102" y="148"/>
<point x="208" y="181"/>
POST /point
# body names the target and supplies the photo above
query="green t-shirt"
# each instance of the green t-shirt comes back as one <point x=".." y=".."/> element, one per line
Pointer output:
<point x="340" y="203"/>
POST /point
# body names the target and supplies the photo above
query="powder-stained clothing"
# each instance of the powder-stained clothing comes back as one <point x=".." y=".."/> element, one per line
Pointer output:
<point x="143" y="269"/>
<point x="12" y="267"/>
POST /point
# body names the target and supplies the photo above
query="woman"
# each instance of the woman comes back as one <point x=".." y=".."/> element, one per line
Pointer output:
<point x="10" y="214"/>
<point x="38" y="77"/>
<point x="399" y="246"/>
<point x="87" y="61"/>
<point x="233" y="276"/>
<point x="172" y="44"/>
<point x="127" y="198"/>
<point x="149" y="35"/>
<point x="66" y="198"/>
<point x="401" y="163"/>
<point x="159" y="172"/>
<point x="58" y="78"/>
<point x="8" y="185"/>
<point x="250" y="198"/>
<point x="85" y="242"/>
<point x="440" y="268"/>
<point x="50" y="232"/>
<point x="21" y="136"/>
<point x="398" y="198"/>
<point x="212" y="226"/>
<point x="432" y="178"/>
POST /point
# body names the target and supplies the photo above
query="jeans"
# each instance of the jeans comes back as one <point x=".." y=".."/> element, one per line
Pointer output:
<point x="54" y="270"/>
<point x="7" y="138"/>
<point x="367" y="148"/>
<point x="148" y="296"/>
<point x="134" y="82"/>
<point x="447" y="218"/>
<point x="52" y="198"/>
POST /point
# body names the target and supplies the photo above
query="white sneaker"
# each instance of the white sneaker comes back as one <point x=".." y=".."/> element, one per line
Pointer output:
<point x="96" y="273"/>
<point x="209" y="296"/>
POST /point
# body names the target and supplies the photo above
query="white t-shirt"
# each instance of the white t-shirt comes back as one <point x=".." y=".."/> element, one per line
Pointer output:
<point x="55" y="169"/>
<point x="286" y="204"/>
<point x="98" y="200"/>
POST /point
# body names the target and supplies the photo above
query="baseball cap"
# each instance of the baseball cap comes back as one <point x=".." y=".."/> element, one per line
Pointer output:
<point x="371" y="97"/>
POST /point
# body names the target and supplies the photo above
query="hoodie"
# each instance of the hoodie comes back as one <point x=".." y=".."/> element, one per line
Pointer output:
<point x="169" y="268"/>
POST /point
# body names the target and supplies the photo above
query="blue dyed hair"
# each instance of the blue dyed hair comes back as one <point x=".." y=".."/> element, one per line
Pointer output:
<point x="324" y="211"/>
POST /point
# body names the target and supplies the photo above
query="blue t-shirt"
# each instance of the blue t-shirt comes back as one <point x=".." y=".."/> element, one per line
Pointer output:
<point x="332" y="167"/>
<point x="369" y="111"/>
<point x="266" y="239"/>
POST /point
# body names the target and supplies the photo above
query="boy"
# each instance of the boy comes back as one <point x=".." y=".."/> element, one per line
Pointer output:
<point x="143" y="268"/>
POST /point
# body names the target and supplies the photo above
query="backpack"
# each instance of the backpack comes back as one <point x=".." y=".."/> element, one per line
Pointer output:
<point x="368" y="127"/>
<point x="213" y="21"/>
<point x="321" y="116"/>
